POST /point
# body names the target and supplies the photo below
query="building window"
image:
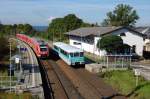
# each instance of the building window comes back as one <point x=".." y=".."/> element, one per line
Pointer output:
<point x="122" y="34"/>
<point x="133" y="48"/>
<point x="76" y="54"/>
<point x="76" y="43"/>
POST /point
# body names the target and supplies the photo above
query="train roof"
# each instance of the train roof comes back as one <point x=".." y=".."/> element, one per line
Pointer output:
<point x="66" y="47"/>
<point x="39" y="41"/>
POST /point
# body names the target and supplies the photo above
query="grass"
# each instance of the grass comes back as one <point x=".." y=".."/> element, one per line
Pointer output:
<point x="4" y="76"/>
<point x="92" y="57"/>
<point x="15" y="96"/>
<point x="124" y="82"/>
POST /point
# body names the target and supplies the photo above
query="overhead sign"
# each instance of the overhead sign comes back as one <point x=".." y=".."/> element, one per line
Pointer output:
<point x="17" y="60"/>
<point x="23" y="49"/>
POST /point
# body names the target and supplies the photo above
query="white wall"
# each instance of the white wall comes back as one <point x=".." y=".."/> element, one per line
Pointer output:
<point x="97" y="51"/>
<point x="131" y="39"/>
<point x="85" y="46"/>
<point x="88" y="47"/>
<point x="147" y="44"/>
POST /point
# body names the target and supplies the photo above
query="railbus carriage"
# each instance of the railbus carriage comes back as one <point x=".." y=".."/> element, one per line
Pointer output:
<point x="40" y="47"/>
<point x="70" y="54"/>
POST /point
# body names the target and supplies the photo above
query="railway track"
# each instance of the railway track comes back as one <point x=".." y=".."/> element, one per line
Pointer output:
<point x="89" y="85"/>
<point x="59" y="85"/>
<point x="66" y="82"/>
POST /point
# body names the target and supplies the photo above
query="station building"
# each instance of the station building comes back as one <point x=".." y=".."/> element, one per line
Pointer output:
<point x="87" y="38"/>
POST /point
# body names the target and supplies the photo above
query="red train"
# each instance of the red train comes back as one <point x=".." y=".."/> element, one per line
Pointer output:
<point x="39" y="46"/>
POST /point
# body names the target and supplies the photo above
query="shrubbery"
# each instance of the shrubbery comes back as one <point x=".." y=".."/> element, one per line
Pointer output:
<point x="4" y="47"/>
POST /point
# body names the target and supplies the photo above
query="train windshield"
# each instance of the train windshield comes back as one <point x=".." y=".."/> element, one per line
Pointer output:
<point x="43" y="49"/>
<point x="81" y="54"/>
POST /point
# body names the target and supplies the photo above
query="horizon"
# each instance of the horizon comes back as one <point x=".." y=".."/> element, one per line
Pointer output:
<point x="43" y="11"/>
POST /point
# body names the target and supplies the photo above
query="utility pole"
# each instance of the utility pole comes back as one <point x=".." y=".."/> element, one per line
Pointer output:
<point x="130" y="56"/>
<point x="59" y="36"/>
<point x="53" y="36"/>
<point x="81" y="41"/>
<point x="10" y="63"/>
<point x="20" y="56"/>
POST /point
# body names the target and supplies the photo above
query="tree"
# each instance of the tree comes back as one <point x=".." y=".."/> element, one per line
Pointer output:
<point x="86" y="25"/>
<point x="20" y="28"/>
<point x="1" y="26"/>
<point x="16" y="28"/>
<point x="68" y="23"/>
<point x="1" y="29"/>
<point x="56" y="28"/>
<point x="59" y="26"/>
<point x="72" y="22"/>
<point x="4" y="49"/>
<point x="123" y="15"/>
<point x="8" y="29"/>
<point x="27" y="28"/>
<point x="110" y="43"/>
<point x="24" y="28"/>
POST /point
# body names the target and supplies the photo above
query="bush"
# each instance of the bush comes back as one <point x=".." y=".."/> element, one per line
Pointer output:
<point x="4" y="47"/>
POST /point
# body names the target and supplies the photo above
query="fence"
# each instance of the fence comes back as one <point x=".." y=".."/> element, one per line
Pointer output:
<point x="111" y="61"/>
<point x="116" y="61"/>
<point x="5" y="81"/>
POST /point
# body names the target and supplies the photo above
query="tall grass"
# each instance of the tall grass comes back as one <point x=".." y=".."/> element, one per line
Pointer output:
<point x="125" y="83"/>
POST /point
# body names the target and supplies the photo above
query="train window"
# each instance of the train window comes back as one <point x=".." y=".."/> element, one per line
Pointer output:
<point x="65" y="53"/>
<point x="43" y="49"/>
<point x="122" y="34"/>
<point x="71" y="54"/>
<point x="76" y="43"/>
<point x="56" y="47"/>
<point x="43" y="45"/>
<point x="76" y="54"/>
<point x="61" y="51"/>
<point x="81" y="54"/>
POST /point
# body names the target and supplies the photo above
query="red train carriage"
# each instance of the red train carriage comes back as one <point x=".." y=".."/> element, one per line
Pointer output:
<point x="40" y="47"/>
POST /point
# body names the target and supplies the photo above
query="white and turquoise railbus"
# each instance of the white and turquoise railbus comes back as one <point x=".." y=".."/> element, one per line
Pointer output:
<point x="70" y="54"/>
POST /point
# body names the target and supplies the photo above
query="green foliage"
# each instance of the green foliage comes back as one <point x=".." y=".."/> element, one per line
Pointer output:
<point x="72" y="22"/>
<point x="25" y="28"/>
<point x="123" y="15"/>
<point x="110" y="43"/>
<point x="59" y="26"/>
<point x="124" y="82"/>
<point x="4" y="47"/>
<point x="16" y="96"/>
<point x="16" y="28"/>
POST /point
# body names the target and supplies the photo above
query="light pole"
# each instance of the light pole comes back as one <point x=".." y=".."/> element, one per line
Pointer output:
<point x="19" y="48"/>
<point x="130" y="55"/>
<point x="10" y="63"/>
<point x="53" y="36"/>
<point x="99" y="45"/>
<point x="81" y="41"/>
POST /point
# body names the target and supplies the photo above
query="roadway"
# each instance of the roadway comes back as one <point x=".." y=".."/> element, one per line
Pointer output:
<point x="144" y="69"/>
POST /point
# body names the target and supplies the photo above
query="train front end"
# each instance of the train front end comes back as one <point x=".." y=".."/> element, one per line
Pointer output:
<point x="44" y="51"/>
<point x="77" y="58"/>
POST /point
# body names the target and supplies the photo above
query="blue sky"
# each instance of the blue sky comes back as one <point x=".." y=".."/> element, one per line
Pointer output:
<point x="40" y="12"/>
